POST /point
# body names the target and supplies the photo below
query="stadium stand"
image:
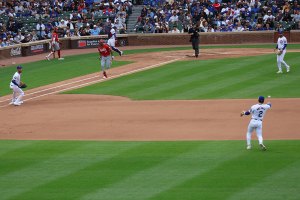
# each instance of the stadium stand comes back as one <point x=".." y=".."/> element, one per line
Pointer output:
<point x="25" y="21"/>
<point x="160" y="16"/>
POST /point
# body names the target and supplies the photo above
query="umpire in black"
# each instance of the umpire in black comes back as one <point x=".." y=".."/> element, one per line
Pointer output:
<point x="194" y="31"/>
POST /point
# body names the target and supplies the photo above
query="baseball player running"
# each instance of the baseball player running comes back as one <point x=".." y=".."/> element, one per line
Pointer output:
<point x="112" y="36"/>
<point x="15" y="85"/>
<point x="281" y="47"/>
<point x="257" y="111"/>
<point x="105" y="54"/>
<point x="55" y="45"/>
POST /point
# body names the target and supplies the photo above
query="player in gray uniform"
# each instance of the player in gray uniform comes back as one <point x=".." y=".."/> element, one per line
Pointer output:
<point x="257" y="111"/>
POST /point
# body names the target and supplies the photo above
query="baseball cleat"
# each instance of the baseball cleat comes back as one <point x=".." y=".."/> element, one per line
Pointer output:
<point x="47" y="58"/>
<point x="17" y="103"/>
<point x="121" y="53"/>
<point x="263" y="147"/>
<point x="11" y="103"/>
<point x="60" y="58"/>
<point x="21" y="102"/>
<point x="104" y="75"/>
<point x="288" y="69"/>
<point x="248" y="147"/>
<point x="279" y="72"/>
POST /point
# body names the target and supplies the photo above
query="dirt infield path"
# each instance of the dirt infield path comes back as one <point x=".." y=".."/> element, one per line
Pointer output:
<point x="94" y="117"/>
<point x="46" y="115"/>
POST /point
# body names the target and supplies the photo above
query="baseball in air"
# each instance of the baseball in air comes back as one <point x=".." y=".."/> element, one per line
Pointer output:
<point x="269" y="96"/>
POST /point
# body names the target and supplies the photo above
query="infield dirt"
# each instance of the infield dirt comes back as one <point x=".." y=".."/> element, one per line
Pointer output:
<point x="94" y="117"/>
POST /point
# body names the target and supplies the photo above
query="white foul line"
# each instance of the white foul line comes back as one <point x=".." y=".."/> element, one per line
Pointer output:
<point x="96" y="81"/>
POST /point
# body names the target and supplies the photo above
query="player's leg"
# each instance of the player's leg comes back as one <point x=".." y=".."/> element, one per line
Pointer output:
<point x="20" y="93"/>
<point x="103" y="67"/>
<point x="279" y="64"/>
<point x="13" y="96"/>
<point x="283" y="62"/>
<point x="196" y="47"/>
<point x="249" y="133"/>
<point x="57" y="46"/>
<point x="48" y="56"/>
<point x="260" y="137"/>
<point x="112" y="44"/>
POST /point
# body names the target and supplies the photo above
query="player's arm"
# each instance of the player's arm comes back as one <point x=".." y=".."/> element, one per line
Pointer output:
<point x="248" y="112"/>
<point x="285" y="45"/>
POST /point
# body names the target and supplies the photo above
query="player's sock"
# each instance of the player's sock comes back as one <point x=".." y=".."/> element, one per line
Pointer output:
<point x="50" y="54"/>
<point x="248" y="138"/>
<point x="116" y="50"/>
<point x="279" y="66"/>
<point x="58" y="52"/>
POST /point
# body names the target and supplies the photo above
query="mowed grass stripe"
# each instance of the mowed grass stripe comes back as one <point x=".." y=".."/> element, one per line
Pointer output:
<point x="167" y="174"/>
<point x="277" y="188"/>
<point x="154" y="170"/>
<point x="14" y="184"/>
<point x="238" y="174"/>
<point x="8" y="147"/>
<point x="244" y="77"/>
<point x="103" y="174"/>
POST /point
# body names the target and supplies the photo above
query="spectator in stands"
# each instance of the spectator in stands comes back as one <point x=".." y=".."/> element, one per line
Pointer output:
<point x="175" y="30"/>
<point x="34" y="36"/>
<point x="95" y="30"/>
<point x="19" y="38"/>
<point x="269" y="16"/>
<point x="40" y="27"/>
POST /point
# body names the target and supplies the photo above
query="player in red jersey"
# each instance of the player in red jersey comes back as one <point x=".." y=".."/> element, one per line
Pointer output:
<point x="55" y="45"/>
<point x="105" y="54"/>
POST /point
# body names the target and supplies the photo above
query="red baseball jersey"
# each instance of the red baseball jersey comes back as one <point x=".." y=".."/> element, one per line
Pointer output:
<point x="54" y="37"/>
<point x="104" y="50"/>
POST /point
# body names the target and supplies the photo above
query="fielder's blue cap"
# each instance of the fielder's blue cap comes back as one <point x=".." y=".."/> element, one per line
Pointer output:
<point x="261" y="99"/>
<point x="280" y="32"/>
<point x="19" y="67"/>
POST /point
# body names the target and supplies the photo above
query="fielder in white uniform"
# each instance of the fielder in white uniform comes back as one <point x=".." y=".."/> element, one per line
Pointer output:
<point x="112" y="36"/>
<point x="257" y="111"/>
<point x="15" y="86"/>
<point x="281" y="46"/>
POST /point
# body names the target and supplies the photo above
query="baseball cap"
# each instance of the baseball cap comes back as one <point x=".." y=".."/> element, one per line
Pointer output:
<point x="280" y="32"/>
<point x="261" y="99"/>
<point x="19" y="67"/>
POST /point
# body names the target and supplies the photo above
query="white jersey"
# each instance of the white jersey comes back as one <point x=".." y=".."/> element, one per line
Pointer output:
<point x="16" y="78"/>
<point x="112" y="34"/>
<point x="281" y="42"/>
<point x="259" y="110"/>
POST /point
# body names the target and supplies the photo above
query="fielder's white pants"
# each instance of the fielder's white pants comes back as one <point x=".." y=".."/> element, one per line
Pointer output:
<point x="111" y="42"/>
<point x="255" y="125"/>
<point x="17" y="93"/>
<point x="280" y="60"/>
<point x="105" y="62"/>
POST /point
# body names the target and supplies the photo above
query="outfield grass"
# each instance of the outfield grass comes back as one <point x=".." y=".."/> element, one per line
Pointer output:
<point x="43" y="72"/>
<point x="63" y="170"/>
<point x="245" y="77"/>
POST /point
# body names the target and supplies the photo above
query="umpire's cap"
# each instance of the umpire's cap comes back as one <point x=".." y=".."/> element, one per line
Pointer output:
<point x="261" y="99"/>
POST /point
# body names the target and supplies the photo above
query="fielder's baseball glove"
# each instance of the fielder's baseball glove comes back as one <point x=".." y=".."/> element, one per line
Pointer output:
<point x="23" y="85"/>
<point x="279" y="52"/>
<point x="242" y="113"/>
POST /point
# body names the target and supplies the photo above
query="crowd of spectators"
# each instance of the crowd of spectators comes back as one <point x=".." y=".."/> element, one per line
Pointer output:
<point x="71" y="17"/>
<point x="167" y="16"/>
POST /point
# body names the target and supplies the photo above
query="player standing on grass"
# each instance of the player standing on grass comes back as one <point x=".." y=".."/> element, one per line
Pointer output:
<point x="55" y="45"/>
<point x="105" y="54"/>
<point x="257" y="111"/>
<point x="281" y="47"/>
<point x="16" y="85"/>
<point x="112" y="36"/>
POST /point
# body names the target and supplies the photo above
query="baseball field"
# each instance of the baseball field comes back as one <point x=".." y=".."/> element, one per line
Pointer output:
<point x="162" y="126"/>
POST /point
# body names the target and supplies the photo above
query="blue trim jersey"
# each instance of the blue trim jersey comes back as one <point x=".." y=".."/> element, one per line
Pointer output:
<point x="258" y="111"/>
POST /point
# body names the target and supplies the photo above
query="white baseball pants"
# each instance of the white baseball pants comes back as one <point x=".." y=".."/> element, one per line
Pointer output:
<point x="280" y="60"/>
<point x="255" y="125"/>
<point x="17" y="93"/>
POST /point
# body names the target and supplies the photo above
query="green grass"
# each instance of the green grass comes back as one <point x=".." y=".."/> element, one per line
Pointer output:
<point x="215" y="170"/>
<point x="246" y="77"/>
<point x="43" y="72"/>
